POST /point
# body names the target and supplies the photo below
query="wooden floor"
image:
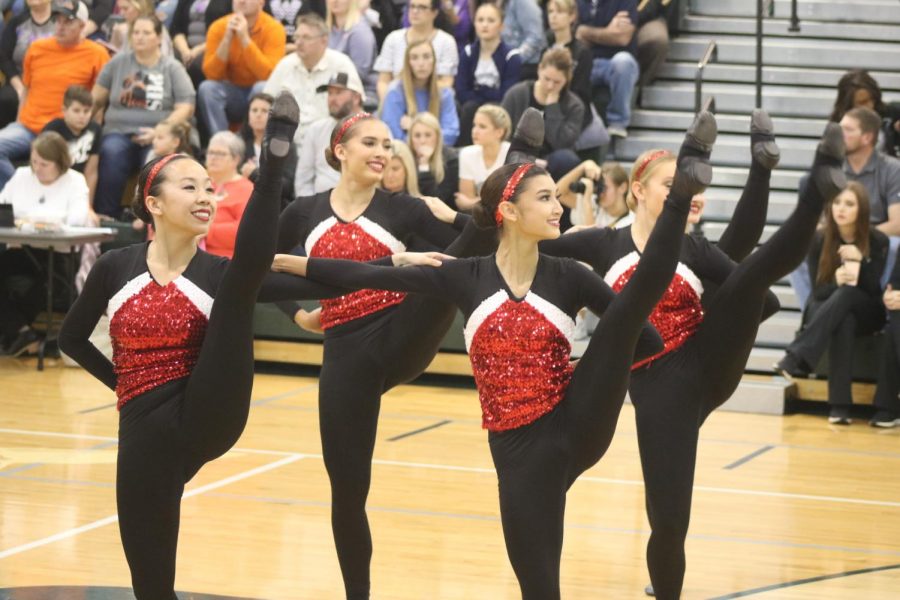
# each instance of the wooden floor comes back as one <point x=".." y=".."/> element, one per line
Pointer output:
<point x="785" y="507"/>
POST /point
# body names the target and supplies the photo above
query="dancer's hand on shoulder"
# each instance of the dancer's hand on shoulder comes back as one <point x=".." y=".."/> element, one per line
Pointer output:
<point x="309" y="320"/>
<point x="440" y="209"/>
<point x="289" y="263"/>
<point x="426" y="259"/>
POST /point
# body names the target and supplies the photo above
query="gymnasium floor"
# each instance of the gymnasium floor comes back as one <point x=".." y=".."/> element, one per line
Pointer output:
<point x="784" y="507"/>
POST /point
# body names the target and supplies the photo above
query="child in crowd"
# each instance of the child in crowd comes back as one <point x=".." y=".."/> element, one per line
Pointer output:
<point x="82" y="135"/>
<point x="170" y="137"/>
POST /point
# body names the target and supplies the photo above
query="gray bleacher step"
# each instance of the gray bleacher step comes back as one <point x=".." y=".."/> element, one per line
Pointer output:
<point x="739" y="98"/>
<point x="782" y="179"/>
<point x="780" y="329"/>
<point x="789" y="52"/>
<point x="728" y="123"/>
<point x="713" y="230"/>
<point x="721" y="202"/>
<point x="760" y="397"/>
<point x="730" y="149"/>
<point x="763" y="359"/>
<point x="786" y="296"/>
<point x="780" y="27"/>
<point x="887" y="80"/>
<point x="868" y="11"/>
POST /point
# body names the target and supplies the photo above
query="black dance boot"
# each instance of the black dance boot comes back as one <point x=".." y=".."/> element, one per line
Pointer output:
<point x="694" y="173"/>
<point x="763" y="147"/>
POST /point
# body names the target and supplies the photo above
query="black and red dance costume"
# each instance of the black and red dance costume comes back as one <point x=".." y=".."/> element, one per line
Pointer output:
<point x="182" y="367"/>
<point x="374" y="340"/>
<point x="547" y="422"/>
<point x="708" y="339"/>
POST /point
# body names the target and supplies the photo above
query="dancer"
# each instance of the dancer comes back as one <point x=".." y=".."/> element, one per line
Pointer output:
<point x="547" y="422"/>
<point x="707" y="345"/>
<point x="181" y="323"/>
<point x="374" y="340"/>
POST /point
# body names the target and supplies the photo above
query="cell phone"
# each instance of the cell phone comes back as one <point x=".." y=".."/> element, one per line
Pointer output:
<point x="7" y="219"/>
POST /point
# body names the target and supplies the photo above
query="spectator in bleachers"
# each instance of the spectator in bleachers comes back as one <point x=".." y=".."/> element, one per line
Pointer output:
<point x="118" y="37"/>
<point x="400" y="174"/>
<point x="523" y="28"/>
<point x="135" y="91"/>
<point x="609" y="29"/>
<point x="563" y="111"/>
<point x="51" y="65"/>
<point x="165" y="10"/>
<point x="382" y="17"/>
<point x="314" y="174"/>
<point x="98" y="12"/>
<point x="81" y="133"/>
<point x="609" y="182"/>
<point x="417" y="91"/>
<point x="887" y="403"/>
<point x="437" y="163"/>
<point x="242" y="49"/>
<point x="845" y="265"/>
<point x="455" y="18"/>
<point x="562" y="17"/>
<point x="286" y="13"/>
<point x="309" y="68"/>
<point x="490" y="130"/>
<point x="422" y="14"/>
<point x="190" y="22"/>
<point x="488" y="67"/>
<point x="252" y="133"/>
<point x="45" y="192"/>
<point x="858" y="89"/>
<point x="232" y="191"/>
<point x="351" y="34"/>
<point x="170" y="137"/>
<point x="20" y="31"/>
<point x="653" y="36"/>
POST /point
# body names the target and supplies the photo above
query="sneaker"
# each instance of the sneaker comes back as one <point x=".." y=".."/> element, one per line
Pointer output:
<point x="792" y="367"/>
<point x="885" y="419"/>
<point x="27" y="341"/>
<point x="649" y="590"/>
<point x="617" y="131"/>
<point x="839" y="415"/>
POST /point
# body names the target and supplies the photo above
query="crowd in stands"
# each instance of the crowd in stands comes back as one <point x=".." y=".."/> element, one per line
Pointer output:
<point x="119" y="82"/>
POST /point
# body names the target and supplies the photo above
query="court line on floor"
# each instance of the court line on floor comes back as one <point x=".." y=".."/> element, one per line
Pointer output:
<point x="799" y="582"/>
<point x="419" y="430"/>
<point x="27" y="467"/>
<point x="461" y="468"/>
<point x="749" y="457"/>
<point x="282" y="396"/>
<point x="96" y="408"/>
<point x="69" y="533"/>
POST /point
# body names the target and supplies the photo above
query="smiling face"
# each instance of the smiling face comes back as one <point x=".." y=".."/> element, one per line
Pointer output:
<point x="845" y="208"/>
<point x="185" y="199"/>
<point x="364" y="152"/>
<point x="536" y="212"/>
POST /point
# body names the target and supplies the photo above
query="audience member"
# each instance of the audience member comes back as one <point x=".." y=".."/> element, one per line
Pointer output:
<point x="563" y="111"/>
<point x="653" y="36"/>
<point x="252" y="132"/>
<point x="242" y="49"/>
<point x="596" y="195"/>
<point x="845" y="264"/>
<point x="437" y="164"/>
<point x="490" y="129"/>
<point x="135" y="90"/>
<point x="314" y="174"/>
<point x="562" y="19"/>
<point x="118" y="38"/>
<point x="381" y="16"/>
<point x="190" y="22"/>
<point x="351" y="34"/>
<point x="417" y="91"/>
<point x="488" y="67"/>
<point x="422" y="14"/>
<point x="82" y="135"/>
<point x="20" y="31"/>
<point x="232" y="191"/>
<point x="401" y="173"/>
<point x="309" y="68"/>
<point x="98" y="12"/>
<point x="51" y="65"/>
<point x="887" y="403"/>
<point x="286" y="13"/>
<point x="47" y="192"/>
<point x="609" y="29"/>
<point x="455" y="18"/>
<point x="523" y="28"/>
<point x="170" y="137"/>
<point x="858" y="89"/>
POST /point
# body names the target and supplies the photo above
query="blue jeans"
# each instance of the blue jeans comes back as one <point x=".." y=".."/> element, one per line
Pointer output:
<point x="620" y="73"/>
<point x="119" y="159"/>
<point x="221" y="102"/>
<point x="15" y="144"/>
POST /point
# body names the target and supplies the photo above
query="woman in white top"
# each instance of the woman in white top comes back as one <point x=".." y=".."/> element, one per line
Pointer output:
<point x="490" y="129"/>
<point x="45" y="193"/>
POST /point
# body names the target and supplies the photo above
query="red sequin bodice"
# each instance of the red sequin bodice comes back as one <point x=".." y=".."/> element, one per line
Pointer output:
<point x="362" y="240"/>
<point x="678" y="313"/>
<point x="520" y="354"/>
<point x="156" y="333"/>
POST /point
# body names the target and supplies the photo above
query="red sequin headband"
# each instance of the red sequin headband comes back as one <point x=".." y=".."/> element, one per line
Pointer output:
<point x="347" y="125"/>
<point x="653" y="156"/>
<point x="155" y="171"/>
<point x="510" y="188"/>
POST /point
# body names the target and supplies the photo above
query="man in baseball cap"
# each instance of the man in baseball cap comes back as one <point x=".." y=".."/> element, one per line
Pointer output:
<point x="345" y="81"/>
<point x="72" y="9"/>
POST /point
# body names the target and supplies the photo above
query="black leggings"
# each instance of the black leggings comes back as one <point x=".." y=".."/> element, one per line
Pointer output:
<point x="536" y="464"/>
<point x="363" y="360"/>
<point x="889" y="373"/>
<point x="674" y="395"/>
<point x="167" y="434"/>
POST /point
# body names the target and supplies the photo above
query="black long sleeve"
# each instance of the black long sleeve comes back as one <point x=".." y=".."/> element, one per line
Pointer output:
<point x="8" y="40"/>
